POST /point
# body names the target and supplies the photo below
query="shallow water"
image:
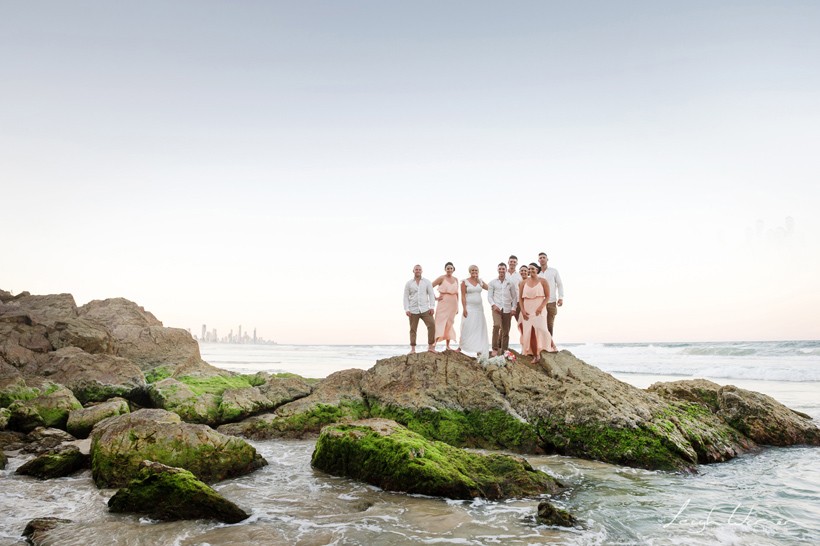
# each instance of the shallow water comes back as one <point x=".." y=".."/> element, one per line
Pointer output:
<point x="770" y="498"/>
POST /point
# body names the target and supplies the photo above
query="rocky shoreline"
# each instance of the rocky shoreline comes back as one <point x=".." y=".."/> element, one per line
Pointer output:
<point x="109" y="370"/>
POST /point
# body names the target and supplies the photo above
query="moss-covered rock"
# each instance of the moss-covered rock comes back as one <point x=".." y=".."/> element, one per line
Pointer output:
<point x="17" y="391"/>
<point x="752" y="414"/>
<point x="52" y="407"/>
<point x="491" y="429"/>
<point x="119" y="444"/>
<point x="62" y="461"/>
<point x="383" y="453"/>
<point x="81" y="421"/>
<point x="24" y="417"/>
<point x="274" y="391"/>
<point x="173" y="395"/>
<point x="5" y="415"/>
<point x="298" y="425"/>
<point x="166" y="493"/>
<point x="336" y="399"/>
<point x="550" y="515"/>
<point x="3" y="460"/>
<point x="210" y="399"/>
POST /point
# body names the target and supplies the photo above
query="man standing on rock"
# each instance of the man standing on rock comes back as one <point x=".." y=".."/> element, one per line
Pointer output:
<point x="556" y="289"/>
<point x="420" y="303"/>
<point x="515" y="279"/>
<point x="503" y="298"/>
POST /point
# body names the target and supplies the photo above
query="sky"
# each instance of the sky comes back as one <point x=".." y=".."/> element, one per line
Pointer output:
<point x="284" y="165"/>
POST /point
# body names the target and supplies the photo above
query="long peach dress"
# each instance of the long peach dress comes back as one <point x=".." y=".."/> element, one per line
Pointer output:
<point x="535" y="337"/>
<point x="446" y="311"/>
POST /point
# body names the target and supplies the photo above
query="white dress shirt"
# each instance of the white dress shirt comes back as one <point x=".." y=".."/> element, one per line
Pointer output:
<point x="515" y="279"/>
<point x="419" y="298"/>
<point x="554" y="281"/>
<point x="503" y="294"/>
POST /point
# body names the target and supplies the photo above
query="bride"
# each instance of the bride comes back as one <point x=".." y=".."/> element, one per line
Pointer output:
<point x="473" y="337"/>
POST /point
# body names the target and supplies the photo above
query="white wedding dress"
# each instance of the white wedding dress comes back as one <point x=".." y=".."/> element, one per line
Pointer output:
<point x="474" y="338"/>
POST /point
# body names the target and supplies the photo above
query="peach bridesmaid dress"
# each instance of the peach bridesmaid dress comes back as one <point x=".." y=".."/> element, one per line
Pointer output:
<point x="535" y="337"/>
<point x="446" y="311"/>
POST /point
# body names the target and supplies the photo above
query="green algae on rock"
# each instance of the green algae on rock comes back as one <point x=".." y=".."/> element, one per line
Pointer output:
<point x="81" y="421"/>
<point x="383" y="453"/>
<point x="119" y="444"/>
<point x="50" y="408"/>
<point x="167" y="493"/>
<point x="61" y="461"/>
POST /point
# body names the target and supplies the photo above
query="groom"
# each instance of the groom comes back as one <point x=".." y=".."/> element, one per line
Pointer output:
<point x="503" y="298"/>
<point x="419" y="302"/>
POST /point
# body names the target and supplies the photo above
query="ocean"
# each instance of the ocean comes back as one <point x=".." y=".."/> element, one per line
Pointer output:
<point x="771" y="497"/>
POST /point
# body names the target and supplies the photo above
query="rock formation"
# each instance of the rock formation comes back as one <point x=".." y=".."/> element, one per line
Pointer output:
<point x="383" y="453"/>
<point x="61" y="461"/>
<point x="81" y="421"/>
<point x="561" y="406"/>
<point x="167" y="493"/>
<point x="120" y="444"/>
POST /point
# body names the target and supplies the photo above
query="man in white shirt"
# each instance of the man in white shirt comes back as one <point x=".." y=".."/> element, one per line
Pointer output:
<point x="503" y="298"/>
<point x="515" y="279"/>
<point x="556" y="299"/>
<point x="419" y="303"/>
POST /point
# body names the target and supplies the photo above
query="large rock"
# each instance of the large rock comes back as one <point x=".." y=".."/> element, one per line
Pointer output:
<point x="383" y="453"/>
<point x="50" y="322"/>
<point x="166" y="493"/>
<point x="142" y="339"/>
<point x="119" y="444"/>
<point x="81" y="421"/>
<point x="337" y="398"/>
<point x="452" y="398"/>
<point x="562" y="405"/>
<point x="760" y="417"/>
<point x="92" y="377"/>
<point x="59" y="462"/>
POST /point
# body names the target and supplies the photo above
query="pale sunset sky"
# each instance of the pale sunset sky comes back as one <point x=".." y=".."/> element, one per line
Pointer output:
<point x="283" y="165"/>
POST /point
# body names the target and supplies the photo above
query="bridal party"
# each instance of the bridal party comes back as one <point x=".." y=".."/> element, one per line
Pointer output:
<point x="530" y="295"/>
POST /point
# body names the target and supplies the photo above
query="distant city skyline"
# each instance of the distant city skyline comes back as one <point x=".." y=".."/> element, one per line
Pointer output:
<point x="212" y="336"/>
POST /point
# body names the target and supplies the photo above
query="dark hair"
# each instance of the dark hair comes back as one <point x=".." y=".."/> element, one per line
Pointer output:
<point x="513" y="257"/>
<point x="449" y="263"/>
<point x="502" y="263"/>
<point x="536" y="266"/>
<point x="544" y="254"/>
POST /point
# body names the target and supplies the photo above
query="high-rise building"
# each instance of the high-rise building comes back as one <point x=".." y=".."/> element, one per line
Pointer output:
<point x="240" y="334"/>
<point x="204" y="332"/>
<point x="254" y="336"/>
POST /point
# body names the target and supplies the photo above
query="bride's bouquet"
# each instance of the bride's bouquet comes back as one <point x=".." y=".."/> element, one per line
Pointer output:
<point x="499" y="361"/>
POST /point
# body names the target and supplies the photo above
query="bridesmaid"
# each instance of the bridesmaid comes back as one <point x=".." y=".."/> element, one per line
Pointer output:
<point x="447" y="308"/>
<point x="533" y="296"/>
<point x="524" y="271"/>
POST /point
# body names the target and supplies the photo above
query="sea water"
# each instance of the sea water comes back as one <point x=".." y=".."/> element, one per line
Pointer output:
<point x="770" y="497"/>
